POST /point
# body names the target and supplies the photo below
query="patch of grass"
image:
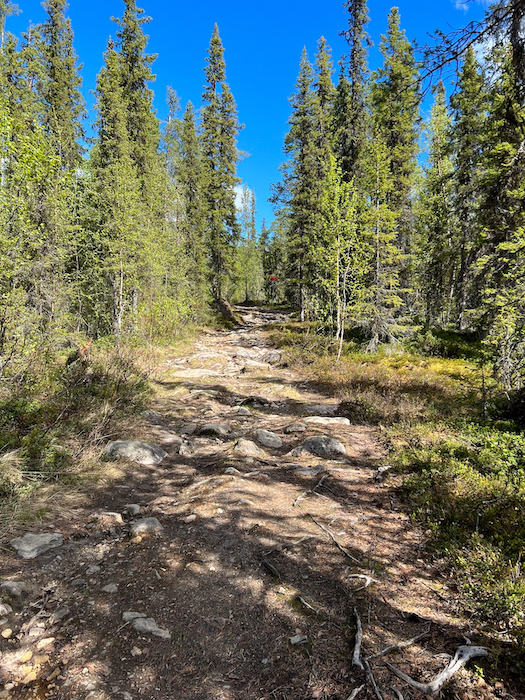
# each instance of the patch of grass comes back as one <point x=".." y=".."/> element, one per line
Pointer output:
<point x="463" y="466"/>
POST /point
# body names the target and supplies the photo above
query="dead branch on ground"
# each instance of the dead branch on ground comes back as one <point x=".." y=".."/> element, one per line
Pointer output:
<point x="339" y="547"/>
<point x="356" y="661"/>
<point x="399" y="645"/>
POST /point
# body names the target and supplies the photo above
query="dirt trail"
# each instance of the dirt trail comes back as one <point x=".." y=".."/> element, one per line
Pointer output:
<point x="248" y="593"/>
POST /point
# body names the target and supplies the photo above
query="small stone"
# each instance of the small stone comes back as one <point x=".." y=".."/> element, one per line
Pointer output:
<point x="47" y="641"/>
<point x="273" y="357"/>
<point x="295" y="428"/>
<point x="31" y="676"/>
<point x="135" y="450"/>
<point x="191" y="518"/>
<point x="311" y="471"/>
<point x="146" y="526"/>
<point x="110" y="588"/>
<point x="6" y="633"/>
<point x="268" y="439"/>
<point x="298" y="639"/>
<point x="53" y="674"/>
<point x="28" y="655"/>
<point x="93" y="569"/>
<point x="219" y="429"/>
<point x="248" y="447"/>
<point x="136" y="651"/>
<point x="41" y="659"/>
<point x="5" y="609"/>
<point x="245" y="502"/>
<point x="243" y="411"/>
<point x="77" y="582"/>
<point x="320" y="446"/>
<point x="149" y="626"/>
<point x="114" y="517"/>
<point x="127" y="616"/>
<point x="153" y="416"/>
<point x="324" y="409"/>
<point x="31" y="545"/>
<point x="60" y="614"/>
<point x="132" y="509"/>
<point x="188" y="429"/>
<point x="4" y="621"/>
<point x="232" y="470"/>
<point x="186" y="449"/>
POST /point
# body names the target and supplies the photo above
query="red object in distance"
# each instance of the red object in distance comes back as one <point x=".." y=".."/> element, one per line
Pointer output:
<point x="273" y="279"/>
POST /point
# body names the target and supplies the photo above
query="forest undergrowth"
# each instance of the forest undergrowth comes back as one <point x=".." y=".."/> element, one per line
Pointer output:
<point x="458" y="461"/>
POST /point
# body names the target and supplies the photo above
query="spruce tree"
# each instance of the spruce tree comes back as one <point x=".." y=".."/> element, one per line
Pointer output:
<point x="63" y="102"/>
<point x="220" y="128"/>
<point x="249" y="254"/>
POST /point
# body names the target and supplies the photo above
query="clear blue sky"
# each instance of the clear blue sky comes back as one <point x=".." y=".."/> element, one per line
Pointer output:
<point x="263" y="43"/>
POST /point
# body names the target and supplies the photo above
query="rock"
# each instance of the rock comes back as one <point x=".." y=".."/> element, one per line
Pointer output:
<point x="273" y="357"/>
<point x="6" y="633"/>
<point x="146" y="526"/>
<point x="16" y="589"/>
<point x="5" y="609"/>
<point x="245" y="352"/>
<point x="188" y="429"/>
<point x="268" y="439"/>
<point x="295" y="428"/>
<point x="77" y="582"/>
<point x="298" y="639"/>
<point x="93" y="569"/>
<point x="246" y="448"/>
<point x="325" y="420"/>
<point x="59" y="615"/>
<point x="149" y="626"/>
<point x="219" y="429"/>
<point x="320" y="446"/>
<point x="136" y="450"/>
<point x="255" y="363"/>
<point x="153" y="416"/>
<point x="324" y="409"/>
<point x="132" y="508"/>
<point x="186" y="449"/>
<point x="311" y="471"/>
<point x="243" y="411"/>
<point x="232" y="470"/>
<point x="194" y="373"/>
<point x="127" y="616"/>
<point x="110" y="588"/>
<point x="30" y="545"/>
<point x="114" y="518"/>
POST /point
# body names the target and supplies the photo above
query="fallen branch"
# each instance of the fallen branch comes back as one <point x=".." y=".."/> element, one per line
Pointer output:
<point x="372" y="680"/>
<point x="307" y="605"/>
<point x="358" y="641"/>
<point x="461" y="657"/>
<point x="271" y="568"/>
<point x="221" y="477"/>
<point x="354" y="692"/>
<point x="398" y="693"/>
<point x="312" y="490"/>
<point x="399" y="645"/>
<point x="339" y="547"/>
<point x="368" y="580"/>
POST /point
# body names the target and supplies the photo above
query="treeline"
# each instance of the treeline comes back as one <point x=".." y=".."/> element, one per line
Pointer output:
<point x="131" y="233"/>
<point x="380" y="232"/>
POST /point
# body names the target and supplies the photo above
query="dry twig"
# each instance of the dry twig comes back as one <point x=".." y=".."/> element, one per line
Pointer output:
<point x="368" y="580"/>
<point x="372" y="679"/>
<point x="354" y="692"/>
<point x="462" y="655"/>
<point x="399" y="645"/>
<point x="358" y="641"/>
<point x="339" y="547"/>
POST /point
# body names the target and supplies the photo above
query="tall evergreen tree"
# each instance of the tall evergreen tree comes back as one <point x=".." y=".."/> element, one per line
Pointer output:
<point x="63" y="109"/>
<point x="350" y="114"/>
<point x="220" y="128"/>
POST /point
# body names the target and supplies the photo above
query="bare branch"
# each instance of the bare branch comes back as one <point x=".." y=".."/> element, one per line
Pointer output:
<point x="339" y="547"/>
<point x="399" y="645"/>
<point x="356" y="661"/>
<point x="461" y="657"/>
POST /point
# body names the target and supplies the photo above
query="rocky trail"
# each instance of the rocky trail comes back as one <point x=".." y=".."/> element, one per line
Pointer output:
<point x="250" y="551"/>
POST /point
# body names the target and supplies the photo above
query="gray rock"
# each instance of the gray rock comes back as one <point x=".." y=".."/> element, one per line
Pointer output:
<point x="116" y="518"/>
<point x="16" y="589"/>
<point x="295" y="428"/>
<point x="5" y="609"/>
<point x="255" y="363"/>
<point x="325" y="420"/>
<point x="195" y="373"/>
<point x="219" y="429"/>
<point x="136" y="450"/>
<point x="110" y="588"/>
<point x="146" y="526"/>
<point x="77" y="582"/>
<point x="93" y="569"/>
<point x="153" y="416"/>
<point x="273" y="357"/>
<point x="245" y="352"/>
<point x="311" y="471"/>
<point x="243" y="411"/>
<point x="268" y="439"/>
<point x="320" y="446"/>
<point x="323" y="409"/>
<point x="298" y="639"/>
<point x="30" y="545"/>
<point x="232" y="470"/>
<point x="128" y="616"/>
<point x="247" y="447"/>
<point x="186" y="449"/>
<point x="132" y="508"/>
<point x="188" y="429"/>
<point x="59" y="615"/>
<point x="149" y="626"/>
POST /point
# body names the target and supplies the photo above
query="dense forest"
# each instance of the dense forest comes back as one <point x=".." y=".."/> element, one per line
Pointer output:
<point x="382" y="221"/>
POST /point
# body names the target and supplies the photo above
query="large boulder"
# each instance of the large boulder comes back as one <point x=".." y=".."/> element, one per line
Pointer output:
<point x="140" y="452"/>
<point x="320" y="446"/>
<point x="268" y="439"/>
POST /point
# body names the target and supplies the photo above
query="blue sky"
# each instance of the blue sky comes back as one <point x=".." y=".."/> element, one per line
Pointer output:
<point x="263" y="42"/>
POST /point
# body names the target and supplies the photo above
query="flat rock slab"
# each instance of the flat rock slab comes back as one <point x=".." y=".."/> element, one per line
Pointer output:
<point x="268" y="439"/>
<point x="30" y="545"/>
<point x="327" y="420"/>
<point x="320" y="446"/>
<point x="247" y="448"/>
<point x="140" y="452"/>
<point x="146" y="526"/>
<point x="273" y="357"/>
<point x="219" y="429"/>
<point x="188" y="429"/>
<point x="194" y="373"/>
<point x="323" y="409"/>
<point x="312" y="471"/>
